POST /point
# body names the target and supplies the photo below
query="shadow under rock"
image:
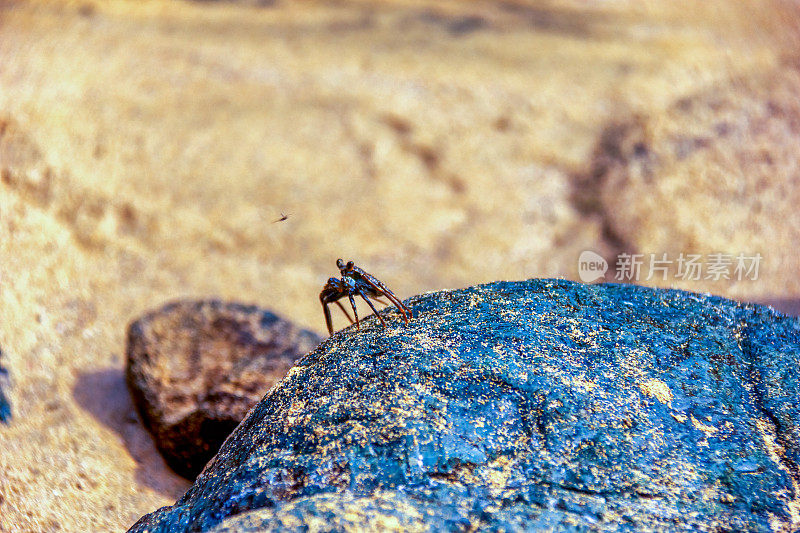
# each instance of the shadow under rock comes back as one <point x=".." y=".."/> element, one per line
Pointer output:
<point x="104" y="394"/>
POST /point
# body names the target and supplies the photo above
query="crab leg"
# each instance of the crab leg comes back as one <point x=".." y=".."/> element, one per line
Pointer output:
<point x="402" y="306"/>
<point x="396" y="301"/>
<point x="364" y="296"/>
<point x="327" y="317"/>
<point x="389" y="294"/>
<point x="382" y="289"/>
<point x="355" y="311"/>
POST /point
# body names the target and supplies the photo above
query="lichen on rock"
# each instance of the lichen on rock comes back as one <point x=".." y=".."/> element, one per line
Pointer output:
<point x="543" y="404"/>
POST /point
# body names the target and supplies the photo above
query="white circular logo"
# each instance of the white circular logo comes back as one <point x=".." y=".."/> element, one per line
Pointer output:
<point x="591" y="266"/>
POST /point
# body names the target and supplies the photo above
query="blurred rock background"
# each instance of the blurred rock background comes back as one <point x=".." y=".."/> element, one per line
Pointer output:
<point x="147" y="149"/>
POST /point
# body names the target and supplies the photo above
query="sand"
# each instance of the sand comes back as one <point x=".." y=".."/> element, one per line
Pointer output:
<point x="148" y="150"/>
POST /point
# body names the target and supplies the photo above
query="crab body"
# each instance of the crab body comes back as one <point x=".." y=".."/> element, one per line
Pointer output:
<point x="356" y="282"/>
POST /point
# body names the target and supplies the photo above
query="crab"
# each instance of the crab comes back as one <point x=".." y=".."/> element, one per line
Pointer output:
<point x="357" y="282"/>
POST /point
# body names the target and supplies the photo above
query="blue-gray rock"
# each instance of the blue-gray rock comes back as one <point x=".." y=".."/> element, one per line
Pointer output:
<point x="5" y="405"/>
<point x="543" y="404"/>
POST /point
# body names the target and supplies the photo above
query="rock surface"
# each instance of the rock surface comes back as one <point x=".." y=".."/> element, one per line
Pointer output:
<point x="196" y="368"/>
<point x="523" y="405"/>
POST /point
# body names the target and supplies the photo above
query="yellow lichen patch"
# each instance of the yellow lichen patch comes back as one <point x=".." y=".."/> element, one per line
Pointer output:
<point x="708" y="430"/>
<point x="775" y="523"/>
<point x="776" y="453"/>
<point x="383" y="511"/>
<point x="427" y="342"/>
<point x="657" y="389"/>
<point x="474" y="301"/>
<point x="584" y="384"/>
<point x="632" y="363"/>
<point x="498" y="473"/>
<point x="680" y="418"/>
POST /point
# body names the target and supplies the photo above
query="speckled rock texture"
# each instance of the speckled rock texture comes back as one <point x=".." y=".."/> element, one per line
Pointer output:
<point x="543" y="404"/>
<point x="5" y="405"/>
<point x="196" y="367"/>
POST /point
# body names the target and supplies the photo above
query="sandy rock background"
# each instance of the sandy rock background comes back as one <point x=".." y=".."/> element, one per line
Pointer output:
<point x="146" y="149"/>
